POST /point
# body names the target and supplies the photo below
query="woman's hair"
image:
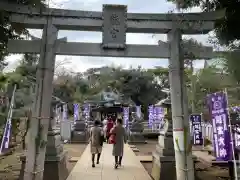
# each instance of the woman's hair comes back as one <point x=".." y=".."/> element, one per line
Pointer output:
<point x="119" y="121"/>
<point x="96" y="123"/>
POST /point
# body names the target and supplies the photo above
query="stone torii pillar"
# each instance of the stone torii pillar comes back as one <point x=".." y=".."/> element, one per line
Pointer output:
<point x="172" y="143"/>
<point x="39" y="124"/>
<point x="183" y="157"/>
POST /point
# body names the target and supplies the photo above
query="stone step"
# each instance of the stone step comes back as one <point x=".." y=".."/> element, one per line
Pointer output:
<point x="132" y="146"/>
<point x="74" y="159"/>
<point x="135" y="149"/>
<point x="145" y="158"/>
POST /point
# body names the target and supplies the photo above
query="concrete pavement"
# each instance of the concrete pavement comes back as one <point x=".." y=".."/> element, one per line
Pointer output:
<point x="131" y="168"/>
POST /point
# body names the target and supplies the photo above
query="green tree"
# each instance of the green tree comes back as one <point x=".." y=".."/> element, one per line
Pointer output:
<point x="226" y="30"/>
<point x="207" y="81"/>
<point x="161" y="75"/>
<point x="9" y="31"/>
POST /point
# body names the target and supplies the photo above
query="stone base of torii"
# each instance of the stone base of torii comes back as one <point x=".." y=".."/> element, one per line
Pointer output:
<point x="55" y="165"/>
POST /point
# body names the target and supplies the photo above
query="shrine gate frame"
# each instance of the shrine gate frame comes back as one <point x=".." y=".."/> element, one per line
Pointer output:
<point x="114" y="22"/>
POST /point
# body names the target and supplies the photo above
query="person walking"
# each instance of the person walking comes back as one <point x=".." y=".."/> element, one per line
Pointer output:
<point x="105" y="121"/>
<point x="96" y="141"/>
<point x="110" y="125"/>
<point x="118" y="133"/>
<point x="105" y="128"/>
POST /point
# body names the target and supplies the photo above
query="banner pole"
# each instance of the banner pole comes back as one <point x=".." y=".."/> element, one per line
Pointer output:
<point x="203" y="138"/>
<point x="231" y="137"/>
<point x="9" y="119"/>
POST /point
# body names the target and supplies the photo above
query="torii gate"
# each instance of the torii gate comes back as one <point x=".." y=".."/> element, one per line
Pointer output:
<point x="114" y="22"/>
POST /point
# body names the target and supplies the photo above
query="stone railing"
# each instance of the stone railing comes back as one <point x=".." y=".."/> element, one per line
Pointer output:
<point x="147" y="129"/>
<point x="207" y="131"/>
<point x="206" y="128"/>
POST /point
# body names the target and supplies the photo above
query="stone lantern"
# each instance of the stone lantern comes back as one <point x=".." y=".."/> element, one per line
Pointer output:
<point x="164" y="156"/>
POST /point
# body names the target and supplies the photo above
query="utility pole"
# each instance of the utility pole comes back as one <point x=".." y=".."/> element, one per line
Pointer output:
<point x="181" y="134"/>
<point x="39" y="122"/>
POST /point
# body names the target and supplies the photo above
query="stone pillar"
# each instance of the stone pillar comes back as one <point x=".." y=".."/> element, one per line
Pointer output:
<point x="164" y="158"/>
<point x="180" y="117"/>
<point x="36" y="147"/>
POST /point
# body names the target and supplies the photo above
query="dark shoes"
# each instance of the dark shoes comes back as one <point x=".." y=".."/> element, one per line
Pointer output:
<point x="93" y="164"/>
<point x="117" y="164"/>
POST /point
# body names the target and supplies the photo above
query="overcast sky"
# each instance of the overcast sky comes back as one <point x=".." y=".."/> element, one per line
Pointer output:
<point x="80" y="63"/>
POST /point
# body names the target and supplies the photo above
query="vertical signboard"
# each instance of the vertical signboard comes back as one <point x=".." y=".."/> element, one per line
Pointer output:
<point x="150" y="115"/>
<point x="218" y="107"/>
<point x="196" y="122"/>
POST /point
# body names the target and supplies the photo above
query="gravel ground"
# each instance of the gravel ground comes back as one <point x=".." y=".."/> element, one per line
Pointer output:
<point x="203" y="172"/>
<point x="10" y="165"/>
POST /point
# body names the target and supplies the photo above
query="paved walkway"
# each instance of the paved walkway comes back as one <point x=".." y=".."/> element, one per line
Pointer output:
<point x="131" y="168"/>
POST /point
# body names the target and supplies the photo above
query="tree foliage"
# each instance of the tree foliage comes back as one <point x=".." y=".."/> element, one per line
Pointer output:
<point x="230" y="63"/>
<point x="132" y="83"/>
<point x="10" y="31"/>
<point x="226" y="30"/>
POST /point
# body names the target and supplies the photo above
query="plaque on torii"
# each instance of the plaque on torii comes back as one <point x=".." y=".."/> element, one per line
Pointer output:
<point x="114" y="26"/>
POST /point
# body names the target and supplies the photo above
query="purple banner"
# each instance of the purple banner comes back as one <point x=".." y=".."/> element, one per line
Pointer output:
<point x="235" y="109"/>
<point x="237" y="137"/>
<point x="126" y="116"/>
<point x="155" y="112"/>
<point x="65" y="112"/>
<point x="86" y="111"/>
<point x="7" y="130"/>
<point x="159" y="111"/>
<point x="196" y="122"/>
<point x="150" y="115"/>
<point x="6" y="137"/>
<point x="76" y="112"/>
<point x="218" y="109"/>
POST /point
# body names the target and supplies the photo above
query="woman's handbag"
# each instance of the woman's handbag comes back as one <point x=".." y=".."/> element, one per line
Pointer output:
<point x="112" y="139"/>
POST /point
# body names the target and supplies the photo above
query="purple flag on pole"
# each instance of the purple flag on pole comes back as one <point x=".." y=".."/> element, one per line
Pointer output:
<point x="218" y="108"/>
<point x="86" y="111"/>
<point x="155" y="113"/>
<point x="76" y="112"/>
<point x="6" y="137"/>
<point x="235" y="108"/>
<point x="196" y="122"/>
<point x="65" y="112"/>
<point x="159" y="114"/>
<point x="126" y="116"/>
<point x="150" y="115"/>
<point x="7" y="129"/>
<point x="237" y="137"/>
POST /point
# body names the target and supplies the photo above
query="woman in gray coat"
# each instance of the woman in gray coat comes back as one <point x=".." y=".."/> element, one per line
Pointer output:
<point x="120" y="138"/>
<point x="96" y="142"/>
